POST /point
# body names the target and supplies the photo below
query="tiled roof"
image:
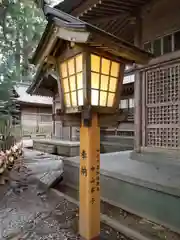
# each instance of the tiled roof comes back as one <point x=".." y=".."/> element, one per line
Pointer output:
<point x="27" y="98"/>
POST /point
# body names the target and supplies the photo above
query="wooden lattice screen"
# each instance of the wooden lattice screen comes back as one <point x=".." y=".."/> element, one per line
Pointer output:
<point x="162" y="106"/>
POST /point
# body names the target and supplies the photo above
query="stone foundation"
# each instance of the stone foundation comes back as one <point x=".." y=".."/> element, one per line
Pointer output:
<point x="62" y="148"/>
<point x="44" y="147"/>
<point x="71" y="148"/>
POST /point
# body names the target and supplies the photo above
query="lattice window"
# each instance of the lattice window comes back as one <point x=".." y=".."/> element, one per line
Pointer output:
<point x="163" y="106"/>
<point x="167" y="114"/>
<point x="162" y="84"/>
<point x="163" y="137"/>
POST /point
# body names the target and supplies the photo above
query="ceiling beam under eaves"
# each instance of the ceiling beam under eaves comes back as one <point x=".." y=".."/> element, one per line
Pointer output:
<point x="87" y="4"/>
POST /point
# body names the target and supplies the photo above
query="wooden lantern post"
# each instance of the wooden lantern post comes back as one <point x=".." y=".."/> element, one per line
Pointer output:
<point x="90" y="64"/>
<point x="89" y="197"/>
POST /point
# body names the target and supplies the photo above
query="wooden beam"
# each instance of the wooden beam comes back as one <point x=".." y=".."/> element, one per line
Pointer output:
<point x="106" y="19"/>
<point x="53" y="112"/>
<point x="144" y="115"/>
<point x="50" y="60"/>
<point x="43" y="92"/>
<point x="74" y="36"/>
<point x="117" y="5"/>
<point x="149" y="6"/>
<point x="118" y="27"/>
<point x="121" y="2"/>
<point x="45" y="49"/>
<point x="93" y="14"/>
<point x="126" y="5"/>
<point x="138" y="89"/>
<point x="111" y="7"/>
<point x="109" y="23"/>
<point x="106" y="11"/>
<point x="84" y="7"/>
<point x="125" y="2"/>
<point x="138" y="31"/>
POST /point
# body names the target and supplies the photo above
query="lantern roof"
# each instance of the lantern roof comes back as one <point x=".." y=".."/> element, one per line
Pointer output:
<point x="64" y="27"/>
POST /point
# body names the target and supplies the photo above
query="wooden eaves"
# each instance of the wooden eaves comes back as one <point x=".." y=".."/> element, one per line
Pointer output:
<point x="115" y="16"/>
<point x="64" y="27"/>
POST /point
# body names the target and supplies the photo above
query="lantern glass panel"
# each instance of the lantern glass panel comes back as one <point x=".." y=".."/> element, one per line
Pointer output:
<point x="110" y="101"/>
<point x="104" y="78"/>
<point x="112" y="84"/>
<point x="67" y="99"/>
<point x="80" y="98"/>
<point x="104" y="82"/>
<point x="64" y="73"/>
<point x="74" y="98"/>
<point x="95" y="97"/>
<point x="103" y="98"/>
<point x="105" y="66"/>
<point x="79" y="80"/>
<point x="71" y="67"/>
<point x="72" y="79"/>
<point x="79" y="64"/>
<point x="95" y="63"/>
<point x="66" y="85"/>
<point x="95" y="80"/>
<point x="115" y="69"/>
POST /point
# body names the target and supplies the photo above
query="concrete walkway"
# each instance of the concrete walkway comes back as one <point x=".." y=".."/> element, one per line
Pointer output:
<point x="159" y="176"/>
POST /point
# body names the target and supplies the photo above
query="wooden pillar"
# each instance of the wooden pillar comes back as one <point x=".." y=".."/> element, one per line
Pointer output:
<point x="144" y="116"/>
<point x="70" y="133"/>
<point x="89" y="212"/>
<point x="37" y="120"/>
<point x="138" y="89"/>
<point x="53" y="114"/>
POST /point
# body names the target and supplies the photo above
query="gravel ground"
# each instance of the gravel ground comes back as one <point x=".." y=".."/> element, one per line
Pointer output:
<point x="29" y="211"/>
<point x="26" y="212"/>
